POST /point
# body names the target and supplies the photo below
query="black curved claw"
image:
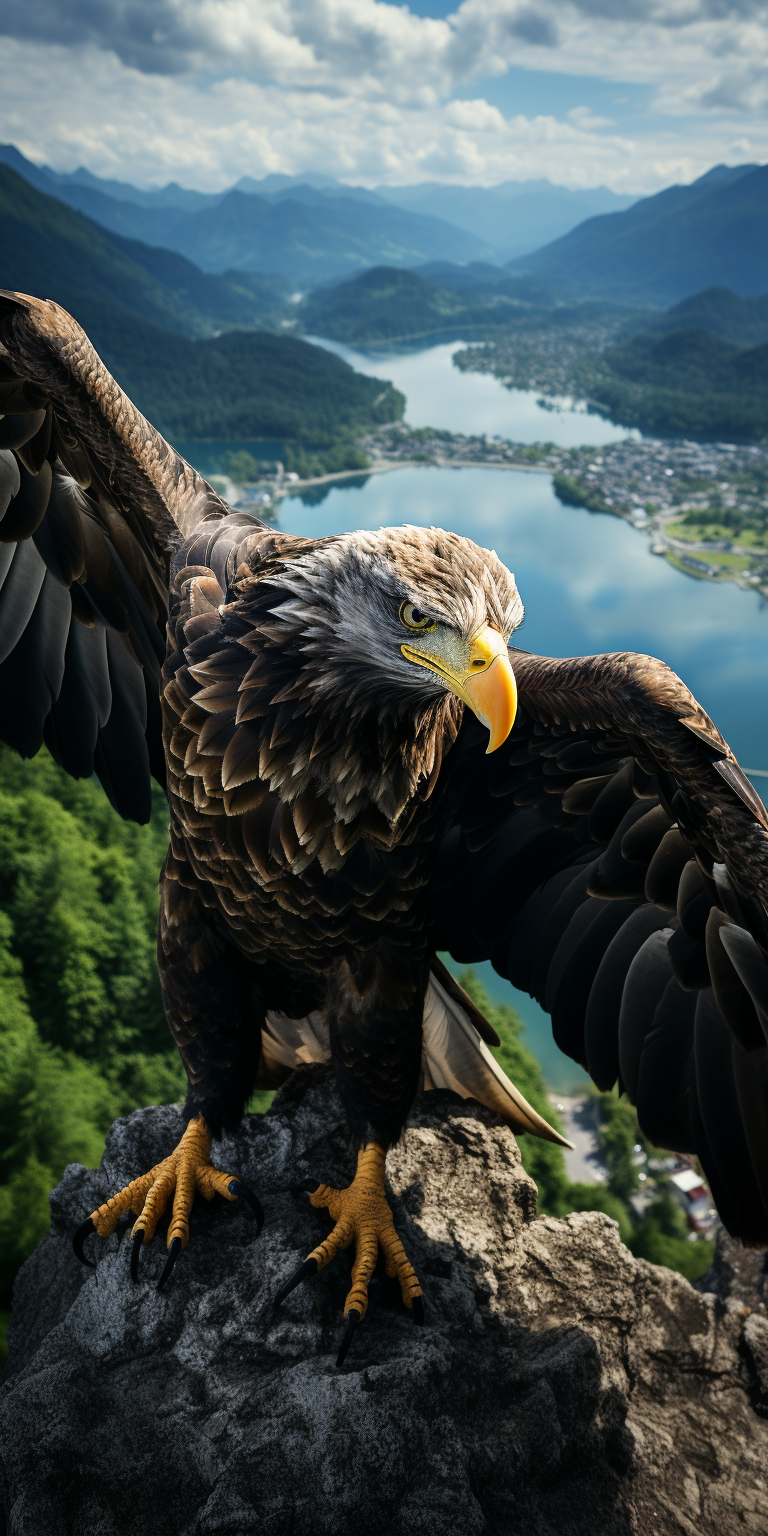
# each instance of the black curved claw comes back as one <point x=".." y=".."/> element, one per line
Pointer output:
<point x="304" y="1187"/>
<point x="353" y="1318"/>
<point x="135" y="1251"/>
<point x="173" y="1254"/>
<point x="417" y="1308"/>
<point x="244" y="1193"/>
<point x="309" y="1267"/>
<point x="83" y="1231"/>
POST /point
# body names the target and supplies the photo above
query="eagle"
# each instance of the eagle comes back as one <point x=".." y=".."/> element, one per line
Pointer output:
<point x="362" y="773"/>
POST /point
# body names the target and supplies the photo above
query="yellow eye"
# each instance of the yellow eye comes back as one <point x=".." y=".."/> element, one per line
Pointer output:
<point x="413" y="618"/>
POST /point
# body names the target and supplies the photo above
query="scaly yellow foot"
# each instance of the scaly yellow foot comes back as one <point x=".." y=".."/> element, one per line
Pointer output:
<point x="188" y="1169"/>
<point x="363" y="1217"/>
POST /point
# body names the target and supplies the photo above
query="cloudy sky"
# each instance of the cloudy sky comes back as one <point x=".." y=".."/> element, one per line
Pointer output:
<point x="633" y="94"/>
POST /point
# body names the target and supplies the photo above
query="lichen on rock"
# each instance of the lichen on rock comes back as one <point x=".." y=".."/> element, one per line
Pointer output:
<point x="559" y="1387"/>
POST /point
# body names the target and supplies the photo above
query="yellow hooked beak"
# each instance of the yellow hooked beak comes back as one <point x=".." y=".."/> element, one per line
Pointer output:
<point x="490" y="687"/>
<point x="485" y="681"/>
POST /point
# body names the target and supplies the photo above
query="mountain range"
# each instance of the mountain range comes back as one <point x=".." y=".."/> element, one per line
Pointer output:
<point x="306" y="232"/>
<point x="154" y="318"/>
<point x="698" y="367"/>
<point x="713" y="233"/>
<point x="54" y="252"/>
<point x="515" y="217"/>
<point x="314" y="228"/>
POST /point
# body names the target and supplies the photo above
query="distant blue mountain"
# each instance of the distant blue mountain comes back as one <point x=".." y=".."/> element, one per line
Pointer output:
<point x="713" y="233"/>
<point x="515" y="216"/>
<point x="110" y="283"/>
<point x="432" y="221"/>
<point x="72" y="187"/>
<point x="312" y="229"/>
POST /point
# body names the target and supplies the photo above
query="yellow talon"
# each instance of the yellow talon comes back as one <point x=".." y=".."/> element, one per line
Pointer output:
<point x="188" y="1170"/>
<point x="362" y="1215"/>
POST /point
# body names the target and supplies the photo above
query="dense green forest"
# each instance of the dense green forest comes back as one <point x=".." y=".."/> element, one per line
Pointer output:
<point x="686" y="384"/>
<point x="250" y="385"/>
<point x="83" y="1037"/>
<point x="742" y="321"/>
<point x="387" y="304"/>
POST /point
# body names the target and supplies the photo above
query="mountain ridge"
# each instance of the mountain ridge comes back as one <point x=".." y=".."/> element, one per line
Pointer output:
<point x="56" y="252"/>
<point x="296" y="230"/>
<point x="681" y="241"/>
<point x="514" y="217"/>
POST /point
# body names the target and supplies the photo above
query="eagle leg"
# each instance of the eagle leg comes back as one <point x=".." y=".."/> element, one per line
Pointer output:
<point x="362" y="1216"/>
<point x="188" y="1170"/>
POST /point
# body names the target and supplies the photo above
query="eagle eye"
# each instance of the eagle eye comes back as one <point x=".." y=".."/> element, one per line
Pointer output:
<point x="413" y="618"/>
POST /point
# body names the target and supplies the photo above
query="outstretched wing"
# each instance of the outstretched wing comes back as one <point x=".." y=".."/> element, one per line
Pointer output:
<point x="612" y="861"/>
<point x="92" y="502"/>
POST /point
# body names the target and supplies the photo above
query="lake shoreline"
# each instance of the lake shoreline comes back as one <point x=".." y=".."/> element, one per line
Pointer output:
<point x="653" y="484"/>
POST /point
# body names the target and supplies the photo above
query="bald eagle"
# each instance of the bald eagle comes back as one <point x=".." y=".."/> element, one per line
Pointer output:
<point x="360" y="773"/>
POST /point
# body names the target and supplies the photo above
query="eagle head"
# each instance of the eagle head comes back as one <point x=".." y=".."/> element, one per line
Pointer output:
<point x="386" y="632"/>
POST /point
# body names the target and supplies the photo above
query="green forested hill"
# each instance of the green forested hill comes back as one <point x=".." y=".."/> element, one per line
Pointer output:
<point x="743" y="322"/>
<point x="688" y="383"/>
<point x="384" y="304"/>
<point x="55" y="253"/>
<point x="388" y="304"/>
<point x="246" y="385"/>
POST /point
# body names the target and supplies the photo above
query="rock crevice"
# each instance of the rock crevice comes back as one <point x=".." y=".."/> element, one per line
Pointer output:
<point x="559" y="1387"/>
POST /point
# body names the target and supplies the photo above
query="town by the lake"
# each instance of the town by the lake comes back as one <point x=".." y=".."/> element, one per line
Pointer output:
<point x="704" y="506"/>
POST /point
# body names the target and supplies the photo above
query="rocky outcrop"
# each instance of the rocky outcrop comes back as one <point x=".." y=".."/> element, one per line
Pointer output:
<point x="559" y="1386"/>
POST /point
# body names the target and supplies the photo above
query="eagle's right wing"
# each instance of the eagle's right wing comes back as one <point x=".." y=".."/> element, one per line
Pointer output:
<point x="92" y="503"/>
<point x="611" y="859"/>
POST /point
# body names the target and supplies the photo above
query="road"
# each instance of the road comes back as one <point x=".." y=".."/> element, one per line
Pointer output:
<point x="584" y="1165"/>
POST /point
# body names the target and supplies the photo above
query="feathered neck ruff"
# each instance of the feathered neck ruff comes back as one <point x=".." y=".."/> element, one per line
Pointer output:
<point x="316" y="718"/>
<point x="300" y="688"/>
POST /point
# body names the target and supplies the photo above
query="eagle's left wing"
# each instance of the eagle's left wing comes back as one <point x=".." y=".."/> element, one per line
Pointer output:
<point x="92" y="503"/>
<point x="611" y="859"/>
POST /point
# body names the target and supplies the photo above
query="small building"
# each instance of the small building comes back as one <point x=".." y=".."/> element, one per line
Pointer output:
<point x="695" y="1199"/>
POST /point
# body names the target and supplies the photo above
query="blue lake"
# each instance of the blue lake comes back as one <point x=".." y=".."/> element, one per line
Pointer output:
<point x="440" y="395"/>
<point x="589" y="584"/>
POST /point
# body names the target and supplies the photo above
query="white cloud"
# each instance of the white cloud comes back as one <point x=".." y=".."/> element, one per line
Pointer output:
<point x="699" y="47"/>
<point x="207" y="90"/>
<point x="697" y="54"/>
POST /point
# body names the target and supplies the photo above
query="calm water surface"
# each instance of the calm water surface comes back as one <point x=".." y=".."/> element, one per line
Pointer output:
<point x="589" y="584"/>
<point x="439" y="395"/>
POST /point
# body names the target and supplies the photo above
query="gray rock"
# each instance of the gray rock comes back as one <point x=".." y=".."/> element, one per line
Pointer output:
<point x="737" y="1272"/>
<point x="560" y="1387"/>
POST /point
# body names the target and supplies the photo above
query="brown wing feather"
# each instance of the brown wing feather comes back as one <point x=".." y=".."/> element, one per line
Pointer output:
<point x="609" y="861"/>
<point x="645" y="701"/>
<point x="54" y="362"/>
<point x="92" y="503"/>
